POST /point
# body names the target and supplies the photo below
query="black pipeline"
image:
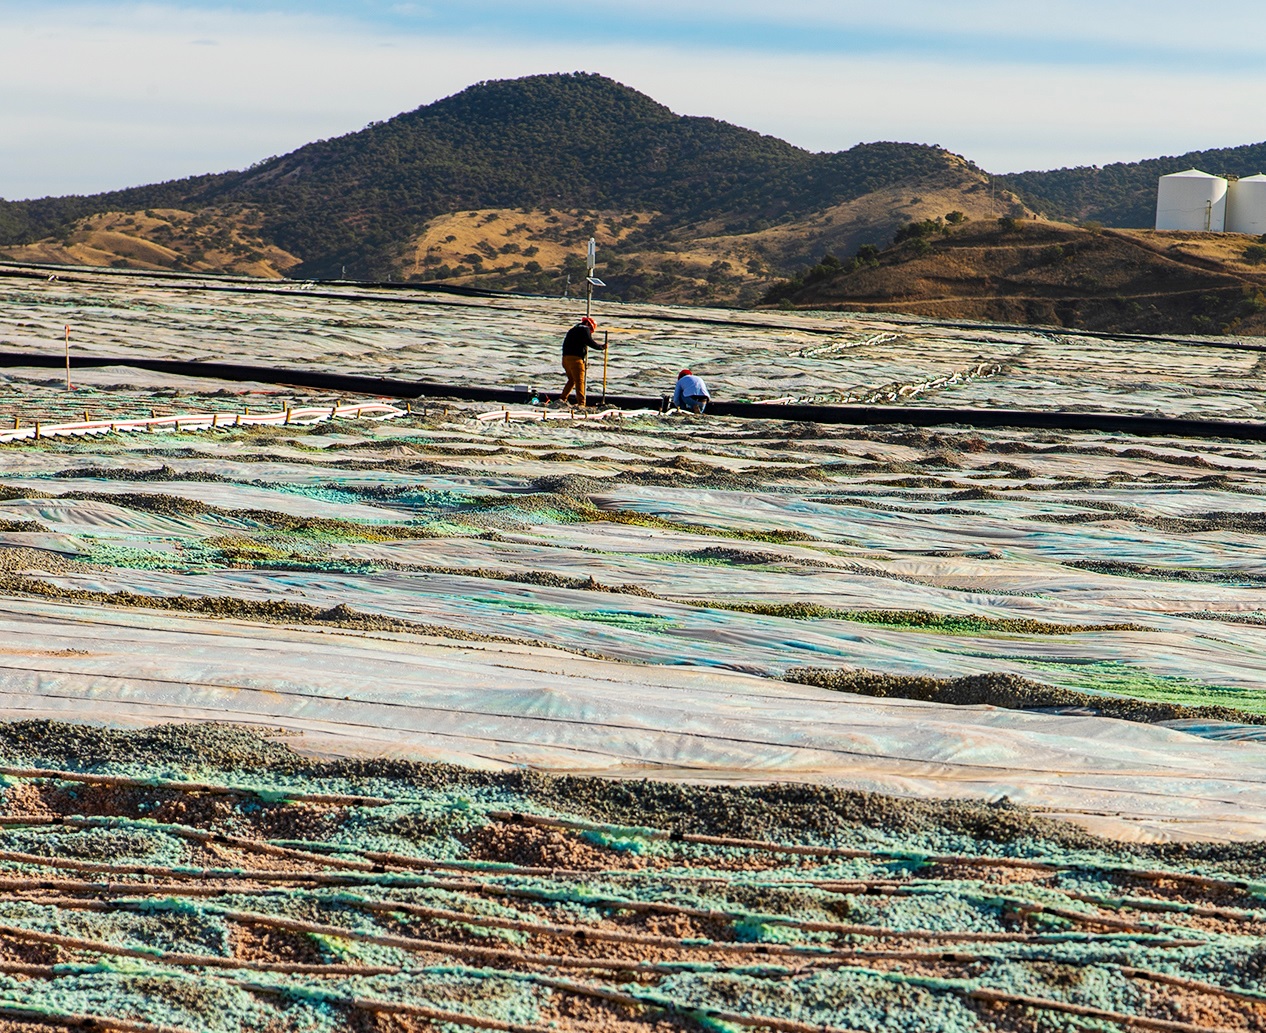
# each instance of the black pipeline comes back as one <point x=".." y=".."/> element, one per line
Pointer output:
<point x="856" y="415"/>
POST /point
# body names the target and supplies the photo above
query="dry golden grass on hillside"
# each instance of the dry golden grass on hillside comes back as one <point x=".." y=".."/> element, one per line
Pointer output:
<point x="874" y="218"/>
<point x="753" y="261"/>
<point x="1054" y="274"/>
<point x="504" y="240"/>
<point x="536" y="250"/>
<point x="1226" y="249"/>
<point x="209" y="240"/>
<point x="526" y="249"/>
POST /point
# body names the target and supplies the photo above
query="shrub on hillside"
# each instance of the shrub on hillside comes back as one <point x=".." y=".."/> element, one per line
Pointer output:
<point x="1255" y="253"/>
<point x="827" y="269"/>
<point x="919" y="230"/>
<point x="824" y="270"/>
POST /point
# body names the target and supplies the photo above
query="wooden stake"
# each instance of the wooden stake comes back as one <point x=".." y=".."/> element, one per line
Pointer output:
<point x="606" y="350"/>
<point x="68" y="387"/>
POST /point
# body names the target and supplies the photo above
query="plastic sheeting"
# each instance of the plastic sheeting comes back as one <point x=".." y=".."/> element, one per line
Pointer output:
<point x="796" y="356"/>
<point x="500" y="705"/>
<point x="636" y="539"/>
<point x="999" y="559"/>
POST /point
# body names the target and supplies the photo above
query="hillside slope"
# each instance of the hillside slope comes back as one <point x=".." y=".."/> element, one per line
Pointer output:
<point x="501" y="185"/>
<point x="1018" y="271"/>
<point x="527" y="249"/>
<point x="211" y="240"/>
<point x="581" y="142"/>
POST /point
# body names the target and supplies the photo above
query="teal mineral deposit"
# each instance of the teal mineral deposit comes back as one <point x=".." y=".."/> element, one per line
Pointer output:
<point x="471" y="898"/>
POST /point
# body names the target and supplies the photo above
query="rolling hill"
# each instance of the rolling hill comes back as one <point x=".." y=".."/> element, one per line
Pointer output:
<point x="500" y="185"/>
<point x="688" y="207"/>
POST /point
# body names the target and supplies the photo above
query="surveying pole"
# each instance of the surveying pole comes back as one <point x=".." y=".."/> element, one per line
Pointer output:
<point x="606" y="354"/>
<point x="591" y="281"/>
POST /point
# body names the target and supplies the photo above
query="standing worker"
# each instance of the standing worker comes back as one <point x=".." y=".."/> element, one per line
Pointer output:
<point x="691" y="393"/>
<point x="576" y="347"/>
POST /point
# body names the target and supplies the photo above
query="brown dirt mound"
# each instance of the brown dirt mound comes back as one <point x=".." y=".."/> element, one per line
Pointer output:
<point x="1009" y="691"/>
<point x="543" y="848"/>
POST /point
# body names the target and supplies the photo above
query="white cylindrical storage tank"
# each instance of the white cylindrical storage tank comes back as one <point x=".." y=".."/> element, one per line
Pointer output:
<point x="1246" y="206"/>
<point x="1191" y="200"/>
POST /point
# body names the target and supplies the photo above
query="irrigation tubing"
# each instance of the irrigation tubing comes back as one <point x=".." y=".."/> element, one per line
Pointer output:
<point x="854" y="415"/>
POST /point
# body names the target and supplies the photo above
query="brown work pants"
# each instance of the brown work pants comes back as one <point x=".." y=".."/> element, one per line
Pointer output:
<point x="574" y="367"/>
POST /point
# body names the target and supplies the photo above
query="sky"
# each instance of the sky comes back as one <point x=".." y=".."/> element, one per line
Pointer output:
<point x="102" y="94"/>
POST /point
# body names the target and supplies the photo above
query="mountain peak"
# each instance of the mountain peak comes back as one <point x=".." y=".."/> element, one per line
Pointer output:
<point x="537" y="96"/>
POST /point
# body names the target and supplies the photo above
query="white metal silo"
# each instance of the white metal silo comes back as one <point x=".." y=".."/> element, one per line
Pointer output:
<point x="1246" y="205"/>
<point x="1191" y="200"/>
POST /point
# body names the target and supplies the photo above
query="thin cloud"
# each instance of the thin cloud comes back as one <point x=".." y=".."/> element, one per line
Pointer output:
<point x="1159" y="33"/>
<point x="137" y="98"/>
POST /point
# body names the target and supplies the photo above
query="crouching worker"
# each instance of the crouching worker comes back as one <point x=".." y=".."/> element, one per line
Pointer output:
<point x="576" y="347"/>
<point x="691" y="394"/>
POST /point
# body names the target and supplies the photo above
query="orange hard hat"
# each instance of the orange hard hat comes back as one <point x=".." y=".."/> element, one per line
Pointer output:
<point x="683" y="373"/>
<point x="588" y="321"/>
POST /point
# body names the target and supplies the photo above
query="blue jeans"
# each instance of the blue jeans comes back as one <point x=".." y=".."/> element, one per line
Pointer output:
<point x="694" y="403"/>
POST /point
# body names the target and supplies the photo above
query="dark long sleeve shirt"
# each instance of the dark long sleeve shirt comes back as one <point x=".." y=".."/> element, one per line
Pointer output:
<point x="578" y="341"/>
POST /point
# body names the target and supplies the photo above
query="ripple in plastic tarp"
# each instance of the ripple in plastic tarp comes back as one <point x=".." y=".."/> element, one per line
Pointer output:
<point x="504" y="706"/>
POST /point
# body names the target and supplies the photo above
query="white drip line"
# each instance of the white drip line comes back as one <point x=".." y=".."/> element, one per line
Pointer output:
<point x="891" y="392"/>
<point x="834" y="348"/>
<point x="539" y="415"/>
<point x="302" y="416"/>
